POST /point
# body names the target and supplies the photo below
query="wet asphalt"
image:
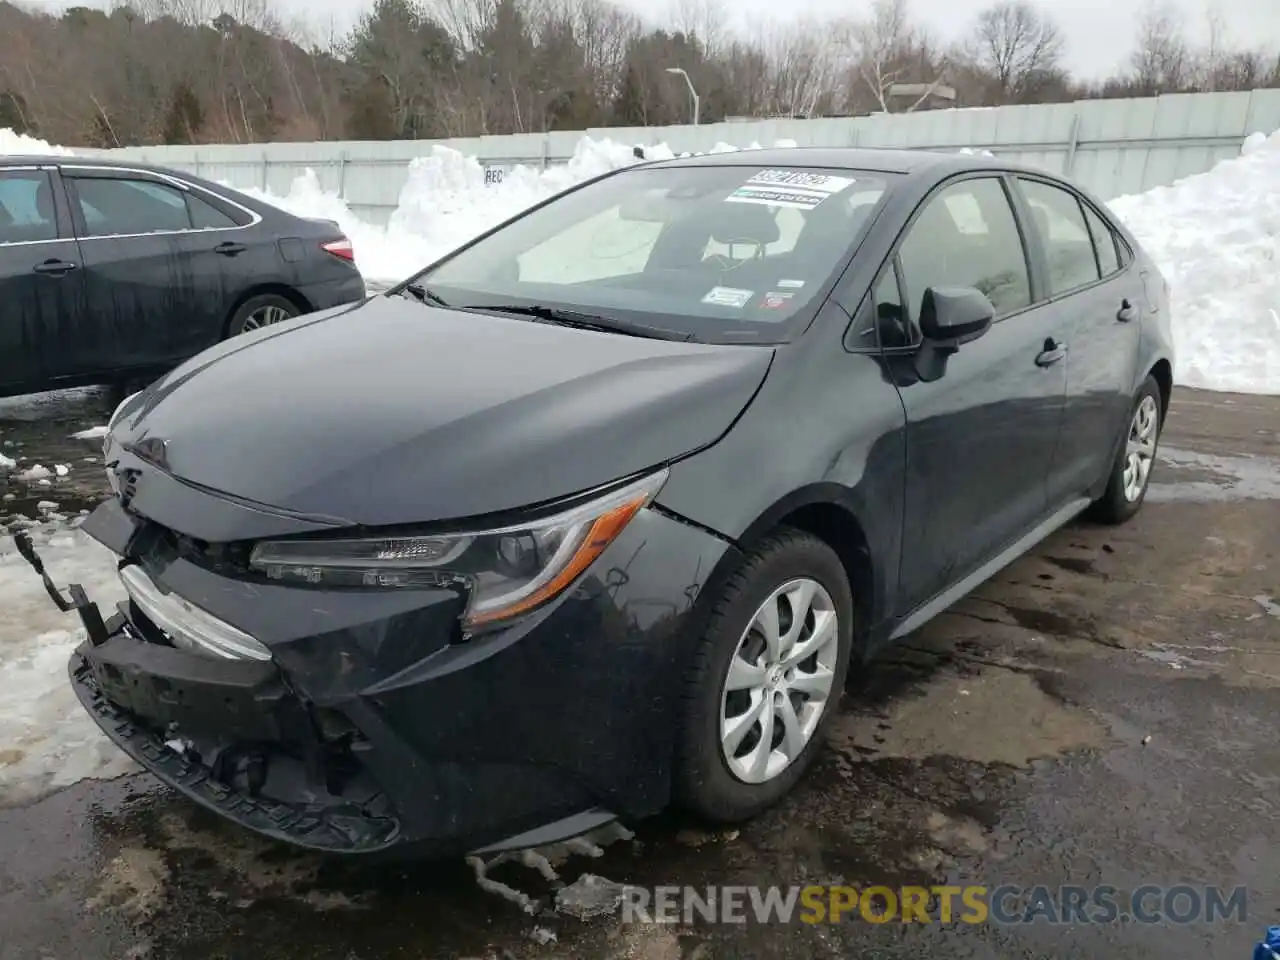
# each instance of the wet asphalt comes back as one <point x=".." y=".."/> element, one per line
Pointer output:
<point x="1103" y="712"/>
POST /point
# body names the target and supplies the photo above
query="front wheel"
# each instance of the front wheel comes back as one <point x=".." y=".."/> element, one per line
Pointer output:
<point x="766" y="678"/>
<point x="1131" y="472"/>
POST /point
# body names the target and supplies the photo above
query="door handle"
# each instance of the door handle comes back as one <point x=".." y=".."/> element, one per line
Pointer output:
<point x="1051" y="354"/>
<point x="1127" y="311"/>
<point x="229" y="249"/>
<point x="56" y="268"/>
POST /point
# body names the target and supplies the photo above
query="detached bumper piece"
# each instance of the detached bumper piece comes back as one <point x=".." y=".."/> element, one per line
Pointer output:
<point x="266" y="767"/>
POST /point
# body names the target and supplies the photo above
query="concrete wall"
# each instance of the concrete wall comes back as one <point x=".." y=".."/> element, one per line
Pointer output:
<point x="1114" y="147"/>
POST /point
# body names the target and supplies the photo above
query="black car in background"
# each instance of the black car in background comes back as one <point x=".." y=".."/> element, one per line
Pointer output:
<point x="596" y="512"/>
<point x="111" y="271"/>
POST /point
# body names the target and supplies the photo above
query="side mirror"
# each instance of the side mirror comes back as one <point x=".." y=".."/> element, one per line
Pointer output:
<point x="951" y="316"/>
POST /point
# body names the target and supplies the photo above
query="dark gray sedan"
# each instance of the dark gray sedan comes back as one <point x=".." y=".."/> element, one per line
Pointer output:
<point x="111" y="272"/>
<point x="595" y="513"/>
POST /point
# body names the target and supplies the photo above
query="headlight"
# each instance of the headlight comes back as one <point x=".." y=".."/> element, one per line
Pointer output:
<point x="508" y="571"/>
<point x="115" y="414"/>
<point x="106" y="440"/>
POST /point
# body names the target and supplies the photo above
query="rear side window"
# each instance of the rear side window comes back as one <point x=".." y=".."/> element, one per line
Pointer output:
<point x="1068" y="247"/>
<point x="1104" y="243"/>
<point x="122" y="206"/>
<point x="966" y="236"/>
<point x="205" y="216"/>
<point x="26" y="207"/>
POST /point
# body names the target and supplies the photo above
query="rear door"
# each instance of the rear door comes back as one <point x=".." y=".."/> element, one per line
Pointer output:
<point x="154" y="278"/>
<point x="980" y="438"/>
<point x="42" y="302"/>
<point x="1100" y="303"/>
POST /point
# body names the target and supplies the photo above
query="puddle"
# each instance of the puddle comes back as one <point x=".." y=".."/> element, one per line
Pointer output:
<point x="1185" y="475"/>
<point x="999" y="716"/>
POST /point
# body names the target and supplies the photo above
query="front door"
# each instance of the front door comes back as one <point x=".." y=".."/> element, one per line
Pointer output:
<point x="42" y="302"/>
<point x="155" y="282"/>
<point x="1102" y="304"/>
<point x="980" y="438"/>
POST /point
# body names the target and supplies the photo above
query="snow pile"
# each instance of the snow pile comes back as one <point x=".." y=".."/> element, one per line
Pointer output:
<point x="19" y="144"/>
<point x="47" y="741"/>
<point x="1216" y="238"/>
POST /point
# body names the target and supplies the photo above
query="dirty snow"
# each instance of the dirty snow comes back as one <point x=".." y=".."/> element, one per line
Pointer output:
<point x="1214" y="238"/>
<point x="46" y="740"/>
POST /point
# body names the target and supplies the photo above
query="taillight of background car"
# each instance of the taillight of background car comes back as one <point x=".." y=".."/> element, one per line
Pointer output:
<point x="341" y="249"/>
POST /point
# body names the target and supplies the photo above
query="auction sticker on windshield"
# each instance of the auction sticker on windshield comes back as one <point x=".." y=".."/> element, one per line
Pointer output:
<point x="728" y="297"/>
<point x="800" y="189"/>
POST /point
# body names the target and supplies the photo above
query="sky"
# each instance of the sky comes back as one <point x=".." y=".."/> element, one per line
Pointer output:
<point x="1099" y="33"/>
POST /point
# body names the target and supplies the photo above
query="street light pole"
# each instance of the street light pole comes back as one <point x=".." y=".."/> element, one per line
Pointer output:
<point x="692" y="92"/>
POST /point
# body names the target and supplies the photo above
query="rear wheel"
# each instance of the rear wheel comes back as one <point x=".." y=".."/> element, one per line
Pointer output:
<point x="264" y="310"/>
<point x="766" y="678"/>
<point x="1131" y="472"/>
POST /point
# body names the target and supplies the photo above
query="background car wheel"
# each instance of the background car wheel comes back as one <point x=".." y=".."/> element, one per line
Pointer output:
<point x="766" y="678"/>
<point x="264" y="310"/>
<point x="1131" y="473"/>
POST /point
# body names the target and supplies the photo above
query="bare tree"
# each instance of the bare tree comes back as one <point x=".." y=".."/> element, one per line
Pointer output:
<point x="1215" y="52"/>
<point x="802" y="65"/>
<point x="1016" y="44"/>
<point x="705" y="19"/>
<point x="887" y="49"/>
<point x="1161" y="60"/>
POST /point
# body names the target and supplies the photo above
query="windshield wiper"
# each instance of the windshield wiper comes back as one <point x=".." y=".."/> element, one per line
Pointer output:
<point x="580" y="321"/>
<point x="424" y="295"/>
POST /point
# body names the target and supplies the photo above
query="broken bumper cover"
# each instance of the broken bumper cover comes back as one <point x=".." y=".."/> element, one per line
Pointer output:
<point x="345" y="828"/>
<point x="265" y="766"/>
<point x="369" y="729"/>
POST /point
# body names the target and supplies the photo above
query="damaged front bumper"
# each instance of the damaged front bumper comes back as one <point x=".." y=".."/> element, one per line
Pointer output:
<point x="146" y="697"/>
<point x="353" y="724"/>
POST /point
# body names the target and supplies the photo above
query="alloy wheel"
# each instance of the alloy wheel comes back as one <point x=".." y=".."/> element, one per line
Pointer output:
<point x="1140" y="449"/>
<point x="265" y="316"/>
<point x="779" y="681"/>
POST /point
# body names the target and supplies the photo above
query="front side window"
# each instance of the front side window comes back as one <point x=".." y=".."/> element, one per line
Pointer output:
<point x="720" y="254"/>
<point x="1064" y="235"/>
<point x="26" y="207"/>
<point x="122" y="206"/>
<point x="966" y="236"/>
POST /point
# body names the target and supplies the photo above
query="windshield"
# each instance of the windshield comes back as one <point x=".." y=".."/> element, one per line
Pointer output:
<point x="716" y="254"/>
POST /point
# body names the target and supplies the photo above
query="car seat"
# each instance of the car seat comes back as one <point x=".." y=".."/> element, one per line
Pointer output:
<point x="44" y="202"/>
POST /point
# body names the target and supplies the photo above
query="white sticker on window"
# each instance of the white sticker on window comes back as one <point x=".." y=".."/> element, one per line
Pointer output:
<point x="727" y="297"/>
<point x="796" y="284"/>
<point x="800" y="189"/>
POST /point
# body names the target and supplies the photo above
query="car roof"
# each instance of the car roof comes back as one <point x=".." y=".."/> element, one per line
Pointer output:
<point x="936" y="162"/>
<point x="55" y="159"/>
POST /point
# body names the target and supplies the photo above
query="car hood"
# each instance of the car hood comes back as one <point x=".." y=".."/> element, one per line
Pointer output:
<point x="394" y="412"/>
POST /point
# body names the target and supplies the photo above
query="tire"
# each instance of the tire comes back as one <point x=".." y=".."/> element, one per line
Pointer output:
<point x="256" y="312"/>
<point x="1122" y="500"/>
<point x="704" y="782"/>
